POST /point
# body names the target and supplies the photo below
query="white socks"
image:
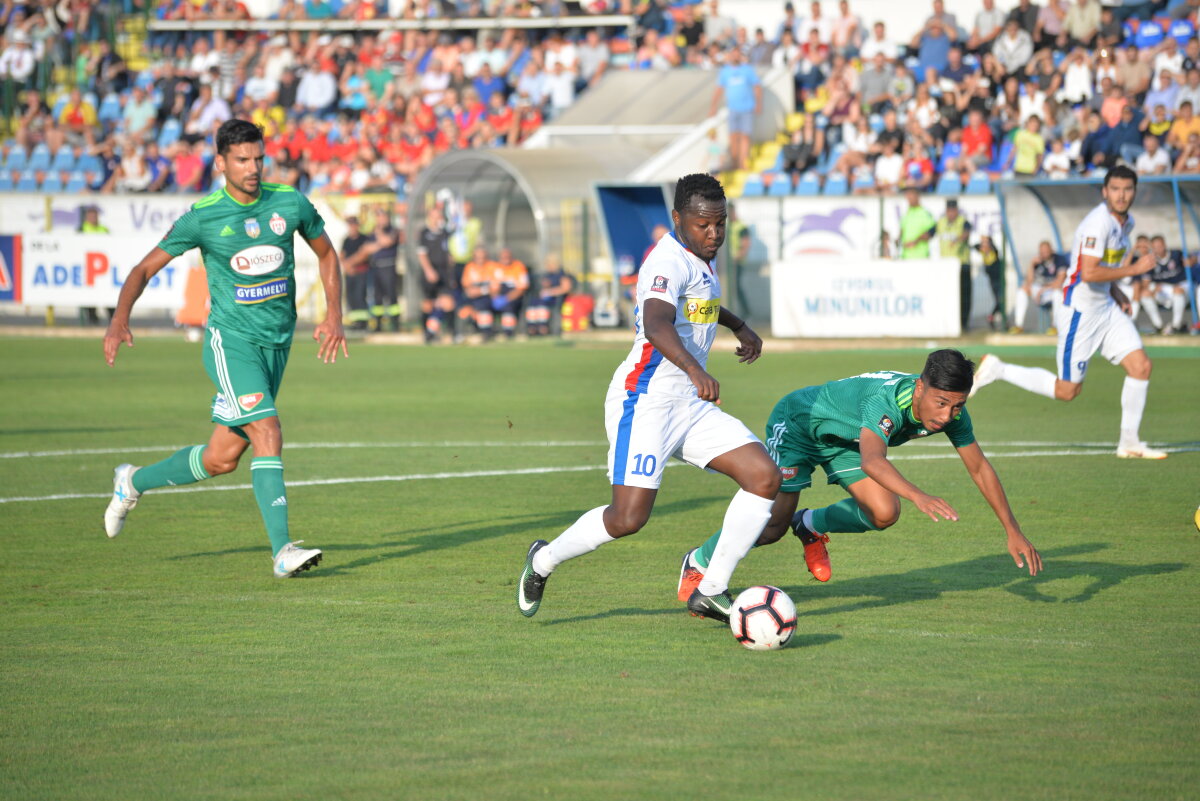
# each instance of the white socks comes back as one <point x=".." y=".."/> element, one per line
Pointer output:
<point x="584" y="536"/>
<point x="1033" y="379"/>
<point x="745" y="519"/>
<point x="1022" y="308"/>
<point x="1133" y="403"/>
<point x="1150" y="306"/>
<point x="1178" y="307"/>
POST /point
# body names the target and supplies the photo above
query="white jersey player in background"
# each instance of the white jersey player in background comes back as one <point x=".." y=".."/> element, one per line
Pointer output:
<point x="1094" y="316"/>
<point x="662" y="403"/>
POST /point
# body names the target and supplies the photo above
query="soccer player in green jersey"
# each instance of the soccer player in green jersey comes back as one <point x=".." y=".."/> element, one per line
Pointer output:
<point x="245" y="232"/>
<point x="846" y="427"/>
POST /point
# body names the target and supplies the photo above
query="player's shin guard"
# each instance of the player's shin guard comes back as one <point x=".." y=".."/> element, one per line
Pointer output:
<point x="266" y="474"/>
<point x="586" y="535"/>
<point x="745" y="519"/>
<point x="185" y="466"/>
<point x="845" y="516"/>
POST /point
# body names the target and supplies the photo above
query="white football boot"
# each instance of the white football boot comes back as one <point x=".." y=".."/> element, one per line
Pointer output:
<point x="292" y="560"/>
<point x="1139" y="450"/>
<point x="990" y="368"/>
<point x="124" y="498"/>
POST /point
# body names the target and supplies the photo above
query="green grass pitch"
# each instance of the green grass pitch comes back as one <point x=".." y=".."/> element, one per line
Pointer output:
<point x="169" y="664"/>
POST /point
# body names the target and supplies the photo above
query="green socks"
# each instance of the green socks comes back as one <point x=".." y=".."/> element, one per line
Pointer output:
<point x="843" y="517"/>
<point x="183" y="467"/>
<point x="266" y="474"/>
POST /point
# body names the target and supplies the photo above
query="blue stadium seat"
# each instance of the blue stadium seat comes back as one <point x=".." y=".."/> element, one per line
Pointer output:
<point x="170" y="133"/>
<point x="781" y="186"/>
<point x="979" y="184"/>
<point x="810" y="184"/>
<point x="53" y="183"/>
<point x="876" y="122"/>
<point x="836" y="184"/>
<point x="949" y="184"/>
<point x="90" y="163"/>
<point x="110" y="108"/>
<point x="16" y="159"/>
<point x="1003" y="158"/>
<point x="64" y="160"/>
<point x="39" y="157"/>
<point x="753" y="186"/>
<point x="864" y="180"/>
<point x="77" y="182"/>
<point x="6" y="184"/>
<point x="59" y="102"/>
<point x="829" y="158"/>
<point x="28" y="182"/>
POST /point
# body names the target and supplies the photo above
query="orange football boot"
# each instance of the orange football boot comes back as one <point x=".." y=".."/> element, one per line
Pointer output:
<point x="815" y="554"/>
<point x="689" y="579"/>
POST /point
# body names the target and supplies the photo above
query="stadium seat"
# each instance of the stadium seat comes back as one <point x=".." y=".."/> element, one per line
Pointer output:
<point x="16" y="159"/>
<point x="753" y="187"/>
<point x="64" y="160"/>
<point x="979" y="184"/>
<point x="110" y="108"/>
<point x="28" y="182"/>
<point x="810" y="184"/>
<point x="53" y="183"/>
<point x="781" y="185"/>
<point x="1003" y="158"/>
<point x="77" y="182"/>
<point x="6" y="184"/>
<point x="864" y="180"/>
<point x="836" y="184"/>
<point x="59" y="103"/>
<point x="39" y="157"/>
<point x="949" y="184"/>
<point x="876" y="122"/>
<point x="170" y="133"/>
<point x="90" y="163"/>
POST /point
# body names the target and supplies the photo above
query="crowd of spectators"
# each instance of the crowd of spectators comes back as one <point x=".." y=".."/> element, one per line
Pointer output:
<point x="1056" y="90"/>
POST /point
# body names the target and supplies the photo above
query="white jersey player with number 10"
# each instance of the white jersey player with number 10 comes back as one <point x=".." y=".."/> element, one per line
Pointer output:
<point x="662" y="403"/>
<point x="1094" y="316"/>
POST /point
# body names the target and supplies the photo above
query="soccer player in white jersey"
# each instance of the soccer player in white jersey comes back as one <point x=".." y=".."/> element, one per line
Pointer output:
<point x="1094" y="316"/>
<point x="662" y="403"/>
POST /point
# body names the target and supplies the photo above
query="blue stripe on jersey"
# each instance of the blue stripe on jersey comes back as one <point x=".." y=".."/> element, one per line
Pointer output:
<point x="1068" y="345"/>
<point x="624" y="429"/>
<point x="643" y="383"/>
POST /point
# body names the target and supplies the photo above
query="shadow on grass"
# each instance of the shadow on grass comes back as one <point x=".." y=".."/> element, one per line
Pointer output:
<point x="398" y="544"/>
<point x="927" y="584"/>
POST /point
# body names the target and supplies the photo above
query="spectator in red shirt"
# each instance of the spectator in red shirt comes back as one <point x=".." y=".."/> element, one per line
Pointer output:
<point x="976" y="143"/>
<point x="189" y="167"/>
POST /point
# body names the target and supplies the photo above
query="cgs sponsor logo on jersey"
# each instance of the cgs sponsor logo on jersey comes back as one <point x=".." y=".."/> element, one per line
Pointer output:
<point x="278" y="224"/>
<point x="252" y="228"/>
<point x="258" y="260"/>
<point x="700" y="310"/>
<point x="258" y="293"/>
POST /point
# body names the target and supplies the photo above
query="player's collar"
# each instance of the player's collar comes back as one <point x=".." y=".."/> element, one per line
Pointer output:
<point x="690" y="252"/>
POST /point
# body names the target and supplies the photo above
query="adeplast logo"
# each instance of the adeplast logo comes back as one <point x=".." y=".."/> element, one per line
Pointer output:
<point x="258" y="260"/>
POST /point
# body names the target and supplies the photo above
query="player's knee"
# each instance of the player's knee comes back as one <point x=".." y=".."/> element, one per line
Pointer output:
<point x="883" y="515"/>
<point x="764" y="480"/>
<point x="624" y="522"/>
<point x="218" y="465"/>
<point x="1140" y="368"/>
<point x="1067" y="390"/>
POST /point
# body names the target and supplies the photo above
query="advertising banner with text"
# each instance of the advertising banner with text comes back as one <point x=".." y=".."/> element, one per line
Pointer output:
<point x="861" y="298"/>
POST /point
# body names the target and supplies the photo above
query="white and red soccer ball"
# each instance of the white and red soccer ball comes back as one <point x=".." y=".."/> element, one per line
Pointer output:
<point x="763" y="618"/>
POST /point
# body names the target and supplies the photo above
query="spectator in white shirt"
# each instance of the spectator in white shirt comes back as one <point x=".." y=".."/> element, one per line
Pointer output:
<point x="316" y="92"/>
<point x="1077" y="79"/>
<point x="1169" y="59"/>
<point x="889" y="169"/>
<point x="1057" y="163"/>
<point x="988" y="24"/>
<point x="878" y="42"/>
<point x="1154" y="159"/>
<point x="1014" y="48"/>
<point x="821" y="24"/>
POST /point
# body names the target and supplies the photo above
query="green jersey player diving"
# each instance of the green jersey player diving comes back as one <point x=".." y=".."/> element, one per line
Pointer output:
<point x="846" y="427"/>
<point x="245" y="231"/>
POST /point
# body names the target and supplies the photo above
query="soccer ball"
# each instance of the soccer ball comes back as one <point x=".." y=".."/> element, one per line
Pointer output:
<point x="763" y="618"/>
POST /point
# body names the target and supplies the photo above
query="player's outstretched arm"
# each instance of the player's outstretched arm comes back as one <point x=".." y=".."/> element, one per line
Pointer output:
<point x="659" y="318"/>
<point x="875" y="464"/>
<point x="750" y="343"/>
<point x="135" y="284"/>
<point x="329" y="334"/>
<point x="984" y="476"/>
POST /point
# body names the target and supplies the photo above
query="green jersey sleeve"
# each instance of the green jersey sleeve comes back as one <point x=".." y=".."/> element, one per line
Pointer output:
<point x="960" y="431"/>
<point x="879" y="413"/>
<point x="312" y="224"/>
<point x="183" y="235"/>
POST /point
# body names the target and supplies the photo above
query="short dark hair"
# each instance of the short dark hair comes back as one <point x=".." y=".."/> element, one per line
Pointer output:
<point x="237" y="132"/>
<point x="949" y="370"/>
<point x="1120" y="171"/>
<point x="699" y="185"/>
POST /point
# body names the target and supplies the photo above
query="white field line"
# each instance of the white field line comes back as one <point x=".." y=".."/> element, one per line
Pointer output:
<point x="526" y="471"/>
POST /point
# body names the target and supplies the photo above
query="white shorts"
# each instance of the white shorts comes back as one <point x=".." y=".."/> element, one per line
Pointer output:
<point x="1044" y="294"/>
<point x="1164" y="294"/>
<point x="1082" y="333"/>
<point x="645" y="430"/>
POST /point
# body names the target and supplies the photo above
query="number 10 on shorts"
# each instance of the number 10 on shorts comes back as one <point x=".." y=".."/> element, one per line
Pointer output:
<point x="644" y="464"/>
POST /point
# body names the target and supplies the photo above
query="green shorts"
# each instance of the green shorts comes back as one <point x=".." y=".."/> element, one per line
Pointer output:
<point x="798" y="455"/>
<point x="247" y="377"/>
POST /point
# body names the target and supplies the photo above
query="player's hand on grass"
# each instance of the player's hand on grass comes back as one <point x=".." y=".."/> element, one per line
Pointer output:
<point x="116" y="334"/>
<point x="935" y="507"/>
<point x="750" y="347"/>
<point x="329" y="336"/>
<point x="1023" y="552"/>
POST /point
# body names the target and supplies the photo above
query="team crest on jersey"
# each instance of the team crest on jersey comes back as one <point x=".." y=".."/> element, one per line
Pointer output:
<point x="278" y="224"/>
<point x="1090" y="242"/>
<point x="660" y="284"/>
<point x="249" y="401"/>
<point x="252" y="228"/>
<point x="789" y="472"/>
<point x="886" y="425"/>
